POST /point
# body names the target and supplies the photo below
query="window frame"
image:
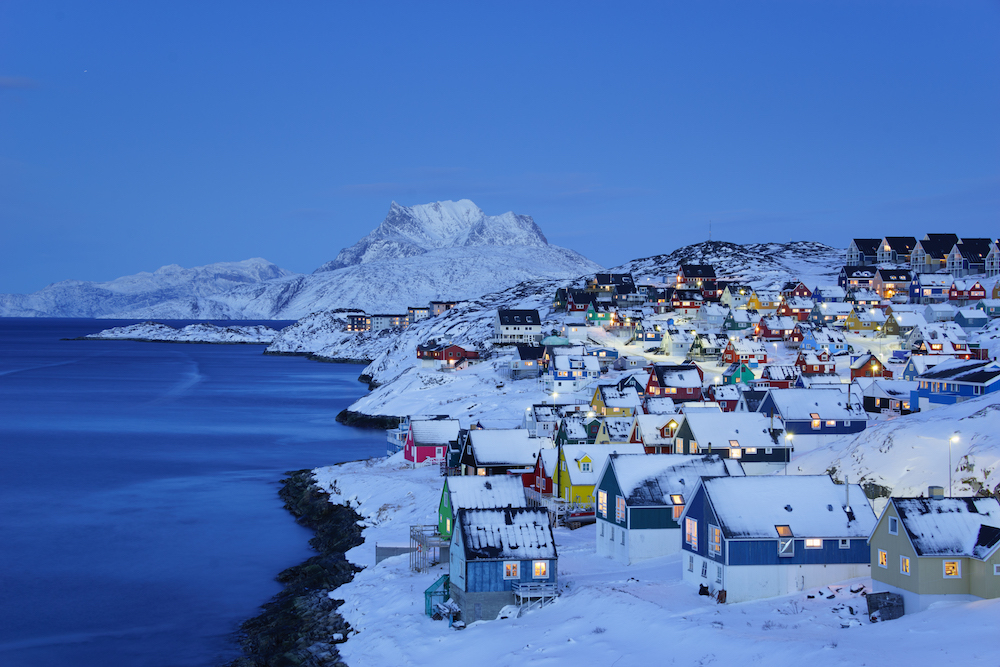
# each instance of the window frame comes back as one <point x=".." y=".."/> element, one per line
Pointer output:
<point x="543" y="565"/>
<point x="691" y="532"/>
<point x="511" y="569"/>
<point x="620" y="511"/>
<point x="811" y="543"/>
<point x="714" y="540"/>
<point x="893" y="526"/>
<point x="904" y="565"/>
<point x="883" y="559"/>
<point x="958" y="568"/>
<point x="602" y="503"/>
<point x="845" y="543"/>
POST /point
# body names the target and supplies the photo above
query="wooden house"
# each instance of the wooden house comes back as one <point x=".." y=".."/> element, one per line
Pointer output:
<point x="815" y="363"/>
<point x="745" y="351"/>
<point x="940" y="312"/>
<point x="990" y="306"/>
<point x="443" y="354"/>
<point x="862" y="252"/>
<point x="865" y="321"/>
<point x="640" y="500"/>
<point x="526" y="362"/>
<point x="956" y="380"/>
<point x="892" y="283"/>
<point x="606" y="282"/>
<point x="825" y="314"/>
<point x="968" y="257"/>
<point x="796" y="307"/>
<point x="852" y="277"/>
<point x="726" y="395"/>
<point x="794" y="289"/>
<point x="677" y="342"/>
<point x="867" y="365"/>
<point x="570" y="372"/>
<point x="476" y="493"/>
<point x="764" y="301"/>
<point x="497" y="555"/>
<point x="680" y="382"/>
<point x="930" y="288"/>
<point x="711" y="317"/>
<point x="738" y="373"/>
<point x="577" y="301"/>
<point x="918" y="364"/>
<point x="516" y="326"/>
<point x="605" y="355"/>
<point x="687" y="301"/>
<point x="614" y="431"/>
<point x="541" y="484"/>
<point x="577" y="429"/>
<point x="499" y="452"/>
<point x="803" y="531"/>
<point x="861" y="297"/>
<point x="751" y="437"/>
<point x="740" y="320"/>
<point x="578" y="469"/>
<point x="735" y="296"/>
<point x="971" y="319"/>
<point x="823" y="338"/>
<point x="889" y="397"/>
<point x="963" y="292"/>
<point x="659" y="405"/>
<point x="834" y="411"/>
<point x="655" y="432"/>
<point x="612" y="401"/>
<point x="693" y="276"/>
<point x="829" y="294"/>
<point x="428" y="440"/>
<point x="942" y="338"/>
<point x="541" y="420"/>
<point x="774" y="328"/>
<point x="930" y="254"/>
<point x="896" y="250"/>
<point x="708" y="346"/>
<point x="901" y="323"/>
<point x="937" y="549"/>
<point x="778" y="376"/>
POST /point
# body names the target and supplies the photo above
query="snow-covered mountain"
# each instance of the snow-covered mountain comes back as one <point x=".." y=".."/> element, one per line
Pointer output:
<point x="442" y="251"/>
<point x="191" y="291"/>
<point x="408" y="231"/>
<point x="761" y="265"/>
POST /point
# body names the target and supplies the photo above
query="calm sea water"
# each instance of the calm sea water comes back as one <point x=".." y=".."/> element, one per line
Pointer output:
<point x="139" y="516"/>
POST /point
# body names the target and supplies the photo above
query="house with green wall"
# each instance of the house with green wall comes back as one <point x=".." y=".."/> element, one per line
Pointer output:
<point x="937" y="549"/>
<point x="477" y="492"/>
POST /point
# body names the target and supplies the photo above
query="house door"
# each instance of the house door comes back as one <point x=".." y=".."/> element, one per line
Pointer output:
<point x="438" y="452"/>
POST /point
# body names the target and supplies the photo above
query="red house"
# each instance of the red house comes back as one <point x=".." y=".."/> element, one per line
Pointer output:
<point x="680" y="382"/>
<point x="545" y="466"/>
<point x="774" y="328"/>
<point x="428" y="440"/>
<point x="778" y="376"/>
<point x="726" y="395"/>
<point x="743" y="350"/>
<point x="448" y="352"/>
<point x="796" y="307"/>
<point x="815" y="363"/>
<point x="869" y="366"/>
<point x="792" y="289"/>
<point x="964" y="291"/>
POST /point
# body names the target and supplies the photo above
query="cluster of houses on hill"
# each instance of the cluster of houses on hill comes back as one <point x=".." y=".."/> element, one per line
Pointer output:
<point x="360" y="321"/>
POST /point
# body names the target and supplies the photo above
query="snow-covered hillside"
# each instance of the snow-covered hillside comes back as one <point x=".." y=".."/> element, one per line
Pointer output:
<point x="414" y="230"/>
<point x="192" y="333"/>
<point x="462" y="254"/>
<point x="910" y="453"/>
<point x="760" y="265"/>
<point x="190" y="293"/>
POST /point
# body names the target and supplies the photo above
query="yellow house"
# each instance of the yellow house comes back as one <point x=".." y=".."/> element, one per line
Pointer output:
<point x="764" y="301"/>
<point x="862" y="320"/>
<point x="614" y="430"/>
<point x="612" y="401"/>
<point x="579" y="467"/>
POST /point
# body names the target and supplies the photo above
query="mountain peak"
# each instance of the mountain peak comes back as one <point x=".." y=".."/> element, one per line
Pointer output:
<point x="408" y="231"/>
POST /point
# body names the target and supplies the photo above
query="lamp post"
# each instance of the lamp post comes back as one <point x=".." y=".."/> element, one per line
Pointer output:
<point x="788" y="452"/>
<point x="953" y="439"/>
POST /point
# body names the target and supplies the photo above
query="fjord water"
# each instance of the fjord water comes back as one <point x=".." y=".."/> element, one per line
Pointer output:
<point x="139" y="516"/>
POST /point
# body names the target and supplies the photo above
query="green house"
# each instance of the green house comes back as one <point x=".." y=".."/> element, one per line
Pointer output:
<point x="598" y="316"/>
<point x="578" y="430"/>
<point x="477" y="492"/>
<point x="737" y="373"/>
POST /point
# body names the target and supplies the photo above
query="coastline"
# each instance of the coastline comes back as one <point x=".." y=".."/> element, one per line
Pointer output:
<point x="361" y="420"/>
<point x="300" y="625"/>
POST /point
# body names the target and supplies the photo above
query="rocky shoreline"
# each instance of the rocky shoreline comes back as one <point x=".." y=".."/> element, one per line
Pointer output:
<point x="361" y="420"/>
<point x="300" y="626"/>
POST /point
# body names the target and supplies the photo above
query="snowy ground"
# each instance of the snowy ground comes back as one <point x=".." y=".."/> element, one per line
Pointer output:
<point x="609" y="614"/>
<point x="192" y="333"/>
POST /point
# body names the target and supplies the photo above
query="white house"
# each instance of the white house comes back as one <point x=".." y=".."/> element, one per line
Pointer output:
<point x="517" y="326"/>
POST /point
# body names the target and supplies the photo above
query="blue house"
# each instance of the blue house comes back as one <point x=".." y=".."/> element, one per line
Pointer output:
<point x="830" y="411"/>
<point x="829" y="294"/>
<point x="748" y="538"/>
<point x="956" y="380"/>
<point x="823" y="338"/>
<point x="929" y="288"/>
<point x="648" y="333"/>
<point x="971" y="318"/>
<point x="499" y="557"/>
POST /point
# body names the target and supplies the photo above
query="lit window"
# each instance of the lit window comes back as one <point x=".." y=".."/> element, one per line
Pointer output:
<point x="831" y="422"/>
<point x="691" y="531"/>
<point x="783" y="531"/>
<point x="814" y="543"/>
<point x="481" y="472"/>
<point x="952" y="569"/>
<point x="883" y="558"/>
<point x="510" y="570"/>
<point x="619" y="509"/>
<point x="904" y="565"/>
<point x="893" y="526"/>
<point x="750" y="450"/>
<point x="693" y="447"/>
<point x="714" y="540"/>
<point x="815" y="423"/>
<point x="541" y="569"/>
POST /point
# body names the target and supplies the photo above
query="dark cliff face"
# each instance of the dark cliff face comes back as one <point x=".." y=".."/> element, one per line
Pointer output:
<point x="300" y="626"/>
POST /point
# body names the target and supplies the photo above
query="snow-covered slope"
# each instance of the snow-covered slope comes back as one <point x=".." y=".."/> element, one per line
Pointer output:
<point x="192" y="333"/>
<point x="190" y="291"/>
<point x="408" y="231"/>
<point x="760" y="265"/>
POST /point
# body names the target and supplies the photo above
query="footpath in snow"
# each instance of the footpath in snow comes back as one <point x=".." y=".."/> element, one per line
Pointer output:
<point x="610" y="614"/>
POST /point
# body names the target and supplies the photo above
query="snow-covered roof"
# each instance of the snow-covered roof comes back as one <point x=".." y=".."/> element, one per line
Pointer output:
<point x="779" y="322"/>
<point x="835" y="308"/>
<point x="832" y="291"/>
<point x="825" y="335"/>
<point x="511" y="446"/>
<point x="650" y="479"/>
<point x="575" y="426"/>
<point x="613" y="397"/>
<point x="951" y="526"/>
<point x="550" y="459"/>
<point x="865" y="359"/>
<point x="434" y="431"/>
<point x="747" y="346"/>
<point x="565" y="362"/>
<point x="780" y="372"/>
<point x="650" y="426"/>
<point x="506" y="534"/>
<point x="476" y="492"/>
<point x="598" y="454"/>
<point x="908" y="319"/>
<point x="677" y="376"/>
<point x="746" y="429"/>
<point x="810" y="505"/>
<point x="873" y="315"/>
<point x="618" y="429"/>
<point x="959" y="370"/>
<point x="897" y="389"/>
<point x="660" y="405"/>
<point x="726" y="392"/>
<point x="801" y="404"/>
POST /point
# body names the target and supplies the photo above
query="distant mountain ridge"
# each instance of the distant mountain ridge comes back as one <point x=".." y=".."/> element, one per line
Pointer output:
<point x="440" y="251"/>
<point x="408" y="231"/>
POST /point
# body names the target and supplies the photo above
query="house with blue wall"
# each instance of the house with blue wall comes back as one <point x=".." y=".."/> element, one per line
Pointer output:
<point x="954" y="381"/>
<point x="495" y="553"/>
<point x="823" y="338"/>
<point x="832" y="411"/>
<point x="748" y="538"/>
<point x="640" y="498"/>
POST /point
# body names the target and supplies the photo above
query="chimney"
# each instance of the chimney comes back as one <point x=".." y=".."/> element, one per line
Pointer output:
<point x="935" y="492"/>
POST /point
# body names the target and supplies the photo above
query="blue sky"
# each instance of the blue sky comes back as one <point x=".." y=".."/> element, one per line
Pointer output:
<point x="134" y="135"/>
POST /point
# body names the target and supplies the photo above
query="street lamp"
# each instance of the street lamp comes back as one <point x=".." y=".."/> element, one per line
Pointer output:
<point x="788" y="454"/>
<point x="953" y="439"/>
